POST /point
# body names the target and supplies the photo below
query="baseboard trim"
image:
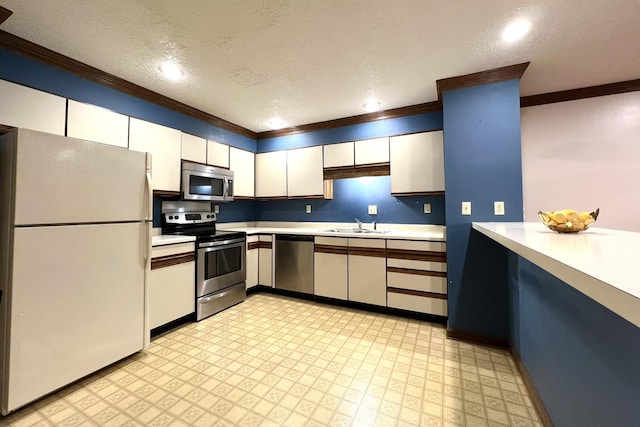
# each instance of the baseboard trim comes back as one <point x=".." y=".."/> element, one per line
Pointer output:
<point x="478" y="339"/>
<point x="155" y="332"/>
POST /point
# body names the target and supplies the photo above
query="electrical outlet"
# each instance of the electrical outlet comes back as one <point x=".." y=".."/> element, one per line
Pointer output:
<point x="498" y="208"/>
<point x="427" y="208"/>
<point x="373" y="210"/>
<point x="308" y="209"/>
<point x="466" y="208"/>
<point x="216" y="208"/>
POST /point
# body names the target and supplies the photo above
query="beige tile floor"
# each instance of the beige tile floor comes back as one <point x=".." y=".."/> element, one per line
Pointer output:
<point x="278" y="361"/>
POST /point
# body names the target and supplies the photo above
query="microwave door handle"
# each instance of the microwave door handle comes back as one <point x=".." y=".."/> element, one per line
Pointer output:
<point x="226" y="188"/>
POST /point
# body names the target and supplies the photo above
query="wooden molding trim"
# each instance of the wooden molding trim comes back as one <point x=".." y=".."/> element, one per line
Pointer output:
<point x="166" y="193"/>
<point x="264" y="244"/>
<point x="417" y="293"/>
<point x="243" y="198"/>
<point x="5" y="129"/>
<point x="253" y="245"/>
<point x="4" y="14"/>
<point x="416" y="272"/>
<point x="264" y="199"/>
<point x="419" y="194"/>
<point x="536" y="400"/>
<point x="478" y="339"/>
<point x="411" y="110"/>
<point x="169" y="260"/>
<point x="417" y="255"/>
<point x="483" y="77"/>
<point x="331" y="249"/>
<point x="580" y="93"/>
<point x="319" y="196"/>
<point x="374" y="169"/>
<point x="372" y="252"/>
<point x="49" y="57"/>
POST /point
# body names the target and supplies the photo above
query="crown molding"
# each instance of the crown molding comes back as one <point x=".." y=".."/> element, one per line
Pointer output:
<point x="580" y="93"/>
<point x="4" y="14"/>
<point x="49" y="57"/>
<point x="483" y="77"/>
<point x="354" y="120"/>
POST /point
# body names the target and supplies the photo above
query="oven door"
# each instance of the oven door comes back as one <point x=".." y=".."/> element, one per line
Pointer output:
<point x="220" y="265"/>
<point x="200" y="186"/>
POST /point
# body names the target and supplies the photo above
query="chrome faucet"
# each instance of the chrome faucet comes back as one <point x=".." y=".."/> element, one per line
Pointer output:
<point x="359" y="224"/>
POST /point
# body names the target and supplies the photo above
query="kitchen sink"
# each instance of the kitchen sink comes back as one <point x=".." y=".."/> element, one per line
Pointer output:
<point x="355" y="230"/>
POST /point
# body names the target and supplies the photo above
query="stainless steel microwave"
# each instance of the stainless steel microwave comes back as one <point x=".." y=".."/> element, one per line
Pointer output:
<point x="202" y="182"/>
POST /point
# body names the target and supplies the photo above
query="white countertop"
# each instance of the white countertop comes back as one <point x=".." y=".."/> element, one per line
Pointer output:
<point x="601" y="263"/>
<point x="166" y="239"/>
<point x="435" y="233"/>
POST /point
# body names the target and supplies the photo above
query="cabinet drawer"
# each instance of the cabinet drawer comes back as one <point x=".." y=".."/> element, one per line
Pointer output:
<point x="417" y="245"/>
<point x="166" y="250"/>
<point x="417" y="282"/>
<point x="417" y="265"/>
<point x="416" y="303"/>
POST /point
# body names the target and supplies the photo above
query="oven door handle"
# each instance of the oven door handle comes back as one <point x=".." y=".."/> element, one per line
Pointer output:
<point x="220" y="243"/>
<point x="212" y="297"/>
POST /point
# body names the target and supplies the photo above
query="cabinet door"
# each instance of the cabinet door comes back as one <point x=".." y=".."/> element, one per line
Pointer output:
<point x="164" y="144"/>
<point x="304" y="172"/>
<point x="242" y="163"/>
<point x="24" y="107"/>
<point x="417" y="163"/>
<point x="336" y="155"/>
<point x="194" y="148"/>
<point x="97" y="124"/>
<point x="368" y="271"/>
<point x="330" y="267"/>
<point x="252" y="261"/>
<point x="368" y="151"/>
<point x="217" y="154"/>
<point x="271" y="174"/>
<point x="171" y="293"/>
<point x="265" y="262"/>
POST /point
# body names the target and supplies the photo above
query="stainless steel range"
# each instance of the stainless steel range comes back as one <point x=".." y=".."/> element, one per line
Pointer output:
<point x="220" y="260"/>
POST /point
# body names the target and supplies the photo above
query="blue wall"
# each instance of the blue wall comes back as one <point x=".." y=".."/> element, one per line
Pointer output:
<point x="379" y="128"/>
<point x="482" y="165"/>
<point x="28" y="72"/>
<point x="351" y="199"/>
<point x="582" y="357"/>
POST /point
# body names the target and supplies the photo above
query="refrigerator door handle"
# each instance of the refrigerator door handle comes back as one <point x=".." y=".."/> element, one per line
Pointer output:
<point x="146" y="339"/>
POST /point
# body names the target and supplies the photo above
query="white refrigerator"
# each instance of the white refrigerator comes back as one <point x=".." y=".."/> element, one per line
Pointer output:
<point x="75" y="237"/>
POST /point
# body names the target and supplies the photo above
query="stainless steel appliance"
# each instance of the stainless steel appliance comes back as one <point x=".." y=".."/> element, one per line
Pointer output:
<point x="208" y="183"/>
<point x="220" y="260"/>
<point x="294" y="263"/>
<point x="75" y="235"/>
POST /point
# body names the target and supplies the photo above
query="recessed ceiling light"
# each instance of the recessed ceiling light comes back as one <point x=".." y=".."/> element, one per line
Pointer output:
<point x="516" y="30"/>
<point x="372" y="105"/>
<point x="276" y="123"/>
<point x="171" y="71"/>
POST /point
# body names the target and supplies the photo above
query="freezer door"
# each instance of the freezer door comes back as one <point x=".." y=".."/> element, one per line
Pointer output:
<point x="66" y="180"/>
<point x="76" y="305"/>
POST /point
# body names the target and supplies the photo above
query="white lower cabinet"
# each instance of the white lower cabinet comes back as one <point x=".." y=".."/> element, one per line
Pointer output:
<point x="330" y="271"/>
<point x="171" y="283"/>
<point x="252" y="261"/>
<point x="367" y="271"/>
<point x="265" y="260"/>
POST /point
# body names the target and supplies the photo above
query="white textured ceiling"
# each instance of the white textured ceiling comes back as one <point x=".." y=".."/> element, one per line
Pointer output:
<point x="315" y="60"/>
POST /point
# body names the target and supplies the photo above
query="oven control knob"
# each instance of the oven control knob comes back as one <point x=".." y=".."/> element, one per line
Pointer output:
<point x="208" y="216"/>
<point x="170" y="217"/>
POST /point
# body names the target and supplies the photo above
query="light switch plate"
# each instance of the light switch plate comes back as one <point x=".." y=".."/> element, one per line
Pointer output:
<point x="216" y="208"/>
<point x="427" y="208"/>
<point x="308" y="209"/>
<point x="373" y="210"/>
<point x="498" y="208"/>
<point x="466" y="208"/>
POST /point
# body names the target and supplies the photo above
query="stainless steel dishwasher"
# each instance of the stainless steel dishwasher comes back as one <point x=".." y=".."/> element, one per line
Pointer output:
<point x="294" y="263"/>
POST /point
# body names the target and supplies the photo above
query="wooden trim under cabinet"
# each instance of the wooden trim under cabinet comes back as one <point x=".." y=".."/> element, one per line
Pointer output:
<point x="340" y="172"/>
<point x="419" y="194"/>
<point x="261" y="244"/>
<point x="372" y="252"/>
<point x="416" y="272"/>
<point x="166" y="193"/>
<point x="417" y="255"/>
<point x="243" y="198"/>
<point x="331" y="249"/>
<point x="417" y="293"/>
<point x="170" y="260"/>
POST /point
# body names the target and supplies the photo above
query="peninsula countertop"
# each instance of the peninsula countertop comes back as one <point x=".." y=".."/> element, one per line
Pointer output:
<point x="601" y="263"/>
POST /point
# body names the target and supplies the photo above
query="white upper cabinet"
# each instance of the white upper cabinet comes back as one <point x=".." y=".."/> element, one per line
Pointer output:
<point x="164" y="144"/>
<point x="417" y="163"/>
<point x="194" y="148"/>
<point x="24" y="107"/>
<point x="271" y="174"/>
<point x="368" y="151"/>
<point x="304" y="172"/>
<point x="336" y="155"/>
<point x="97" y="124"/>
<point x="242" y="163"/>
<point x="217" y="154"/>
